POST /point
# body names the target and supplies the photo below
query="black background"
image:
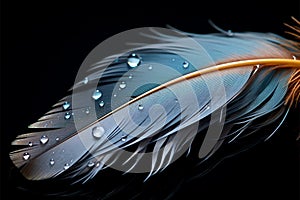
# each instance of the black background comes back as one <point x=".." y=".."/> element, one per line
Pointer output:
<point x="44" y="43"/>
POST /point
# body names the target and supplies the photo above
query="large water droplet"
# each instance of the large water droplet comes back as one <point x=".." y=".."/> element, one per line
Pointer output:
<point x="101" y="104"/>
<point x="26" y="156"/>
<point x="66" y="105"/>
<point x="30" y="144"/>
<point x="67" y="115"/>
<point x="133" y="60"/>
<point x="90" y="164"/>
<point x="85" y="80"/>
<point x="185" y="64"/>
<point x="98" y="131"/>
<point x="52" y="162"/>
<point x="66" y="166"/>
<point x="97" y="94"/>
<point x="122" y="85"/>
<point x="44" y="139"/>
<point x="140" y="107"/>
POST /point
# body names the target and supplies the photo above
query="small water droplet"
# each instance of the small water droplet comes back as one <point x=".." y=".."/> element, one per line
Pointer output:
<point x="57" y="139"/>
<point x="87" y="111"/>
<point x="85" y="80"/>
<point x="66" y="105"/>
<point x="173" y="59"/>
<point x="294" y="57"/>
<point x="98" y="164"/>
<point x="26" y="156"/>
<point x="150" y="67"/>
<point x="66" y="166"/>
<point x="140" y="107"/>
<point x="101" y="104"/>
<point x="124" y="138"/>
<point x="122" y="85"/>
<point x="44" y="139"/>
<point x="130" y="76"/>
<point x="97" y="94"/>
<point x="52" y="162"/>
<point x="98" y="131"/>
<point x="30" y="144"/>
<point x="133" y="60"/>
<point x="90" y="164"/>
<point x="67" y="115"/>
<point x="207" y="108"/>
<point x="115" y="95"/>
<point x="176" y="100"/>
<point x="185" y="64"/>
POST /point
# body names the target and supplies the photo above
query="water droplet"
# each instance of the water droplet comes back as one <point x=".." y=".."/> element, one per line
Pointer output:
<point x="26" y="156"/>
<point x="130" y="76"/>
<point x="30" y="144"/>
<point x="98" y="131"/>
<point x="133" y="60"/>
<point x="98" y="164"/>
<point x="85" y="80"/>
<point x="67" y="115"/>
<point x="87" y="111"/>
<point x="207" y="108"/>
<point x="294" y="57"/>
<point x="185" y="64"/>
<point x="176" y="100"/>
<point x="44" y="139"/>
<point x="122" y="85"/>
<point x="90" y="164"/>
<point x="115" y="95"/>
<point x="150" y="67"/>
<point x="97" y="94"/>
<point x="173" y="59"/>
<point x="57" y="139"/>
<point x="66" y="105"/>
<point x="66" y="166"/>
<point x="52" y="162"/>
<point x="101" y="104"/>
<point x="140" y="107"/>
<point x="124" y="138"/>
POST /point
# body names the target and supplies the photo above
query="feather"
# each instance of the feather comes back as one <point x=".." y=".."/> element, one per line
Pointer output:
<point x="138" y="111"/>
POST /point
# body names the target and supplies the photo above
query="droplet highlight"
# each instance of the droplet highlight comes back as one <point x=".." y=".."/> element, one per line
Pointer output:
<point x="130" y="76"/>
<point x="52" y="162"/>
<point x="44" y="139"/>
<point x="98" y="132"/>
<point x="90" y="164"/>
<point x="140" y="107"/>
<point x="150" y="67"/>
<point x="67" y="115"/>
<point x="133" y="60"/>
<point x="85" y="80"/>
<point x="97" y="94"/>
<point x="185" y="64"/>
<point x="124" y="138"/>
<point x="66" y="105"/>
<point x="87" y="111"/>
<point x="30" y="144"/>
<point x="66" y="166"/>
<point x="26" y="156"/>
<point x="122" y="85"/>
<point x="101" y="104"/>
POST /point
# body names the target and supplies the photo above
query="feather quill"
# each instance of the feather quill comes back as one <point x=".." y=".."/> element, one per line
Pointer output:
<point x="248" y="76"/>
